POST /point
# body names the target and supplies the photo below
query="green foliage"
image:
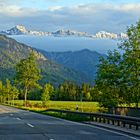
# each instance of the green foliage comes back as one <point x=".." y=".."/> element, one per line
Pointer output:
<point x="108" y="80"/>
<point x="14" y="93"/>
<point x="118" y="76"/>
<point x="8" y="92"/>
<point x="85" y="92"/>
<point x="47" y="92"/>
<point x="27" y="74"/>
<point x="35" y="94"/>
<point x="131" y="63"/>
<point x="1" y="91"/>
<point x="7" y="89"/>
<point x="68" y="91"/>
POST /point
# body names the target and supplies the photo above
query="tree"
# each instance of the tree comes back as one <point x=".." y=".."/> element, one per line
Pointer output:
<point x="14" y="93"/>
<point x="7" y="90"/>
<point x="118" y="76"/>
<point x="47" y="92"/>
<point x="35" y="93"/>
<point x="108" y="80"/>
<point x="71" y="91"/>
<point x="27" y="74"/>
<point x="85" y="92"/>
<point x="94" y="92"/>
<point x="1" y="91"/>
<point x="131" y="63"/>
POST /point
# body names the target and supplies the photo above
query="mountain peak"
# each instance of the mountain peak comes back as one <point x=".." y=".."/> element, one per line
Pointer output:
<point x="18" y="29"/>
<point x="85" y="50"/>
<point x="21" y="28"/>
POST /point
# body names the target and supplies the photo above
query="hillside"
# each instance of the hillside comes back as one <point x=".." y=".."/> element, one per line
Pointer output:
<point x="84" y="61"/>
<point x="12" y="52"/>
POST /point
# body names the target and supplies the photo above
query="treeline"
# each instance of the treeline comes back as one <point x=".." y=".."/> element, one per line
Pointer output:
<point x="8" y="92"/>
<point x="67" y="91"/>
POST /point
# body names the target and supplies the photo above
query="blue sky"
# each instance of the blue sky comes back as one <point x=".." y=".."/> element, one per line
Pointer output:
<point x="43" y="4"/>
<point x="67" y="2"/>
<point x="82" y="15"/>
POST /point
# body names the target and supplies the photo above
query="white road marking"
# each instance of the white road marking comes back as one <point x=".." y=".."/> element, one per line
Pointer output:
<point x="112" y="131"/>
<point x="18" y="118"/>
<point x="30" y="125"/>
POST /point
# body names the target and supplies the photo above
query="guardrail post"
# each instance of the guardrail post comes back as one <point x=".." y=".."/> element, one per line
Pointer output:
<point x="123" y="124"/>
<point x="108" y="121"/>
<point x="112" y="122"/>
<point x="96" y="119"/>
<point x="60" y="113"/>
<point x="130" y="126"/>
<point x="137" y="127"/>
<point x="103" y="120"/>
<point x="118" y="123"/>
<point x="91" y="117"/>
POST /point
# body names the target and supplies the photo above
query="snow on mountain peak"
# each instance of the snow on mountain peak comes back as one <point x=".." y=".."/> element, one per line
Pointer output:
<point x="104" y="34"/>
<point x="21" y="30"/>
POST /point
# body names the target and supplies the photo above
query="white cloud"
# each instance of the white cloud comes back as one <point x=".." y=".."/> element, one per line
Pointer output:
<point x="55" y="8"/>
<point x="86" y="9"/>
<point x="17" y="11"/>
<point x="88" y="17"/>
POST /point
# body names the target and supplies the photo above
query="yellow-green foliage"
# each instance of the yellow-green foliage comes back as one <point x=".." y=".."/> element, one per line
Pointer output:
<point x="64" y="105"/>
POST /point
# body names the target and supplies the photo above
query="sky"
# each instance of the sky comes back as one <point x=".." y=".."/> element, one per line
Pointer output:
<point x="81" y="15"/>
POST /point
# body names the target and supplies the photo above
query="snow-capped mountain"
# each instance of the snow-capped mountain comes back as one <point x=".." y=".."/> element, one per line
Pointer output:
<point x="17" y="30"/>
<point x="103" y="34"/>
<point x="21" y="30"/>
<point x="70" y="33"/>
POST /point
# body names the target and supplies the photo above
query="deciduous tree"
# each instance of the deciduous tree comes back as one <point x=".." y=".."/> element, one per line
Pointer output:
<point x="27" y="74"/>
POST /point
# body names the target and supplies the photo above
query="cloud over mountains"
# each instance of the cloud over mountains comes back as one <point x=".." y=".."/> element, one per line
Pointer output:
<point x="90" y="17"/>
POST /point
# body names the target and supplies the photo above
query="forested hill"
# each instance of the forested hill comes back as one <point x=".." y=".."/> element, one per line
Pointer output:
<point x="12" y="52"/>
<point x="85" y="61"/>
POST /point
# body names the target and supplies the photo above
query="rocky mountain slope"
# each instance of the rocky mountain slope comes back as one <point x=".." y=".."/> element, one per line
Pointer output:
<point x="12" y="52"/>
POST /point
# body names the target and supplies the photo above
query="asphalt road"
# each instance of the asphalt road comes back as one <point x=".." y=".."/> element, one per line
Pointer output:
<point x="16" y="124"/>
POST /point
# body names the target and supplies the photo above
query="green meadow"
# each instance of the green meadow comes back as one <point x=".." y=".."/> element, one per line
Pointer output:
<point x="63" y="105"/>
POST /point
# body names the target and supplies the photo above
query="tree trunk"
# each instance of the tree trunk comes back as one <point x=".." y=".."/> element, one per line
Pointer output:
<point x="1" y="99"/>
<point x="137" y="104"/>
<point x="13" y="100"/>
<point x="8" y="99"/>
<point x="25" y="97"/>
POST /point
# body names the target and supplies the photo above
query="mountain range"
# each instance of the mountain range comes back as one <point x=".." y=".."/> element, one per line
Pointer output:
<point x="21" y="30"/>
<point x="12" y="52"/>
<point x="85" y="61"/>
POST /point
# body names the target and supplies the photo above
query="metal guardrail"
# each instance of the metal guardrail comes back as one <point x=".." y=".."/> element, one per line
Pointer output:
<point x="105" y="118"/>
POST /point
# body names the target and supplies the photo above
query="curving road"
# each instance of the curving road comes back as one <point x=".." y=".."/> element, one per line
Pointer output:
<point x="16" y="124"/>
